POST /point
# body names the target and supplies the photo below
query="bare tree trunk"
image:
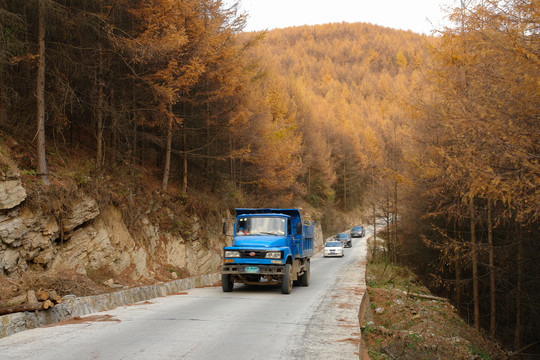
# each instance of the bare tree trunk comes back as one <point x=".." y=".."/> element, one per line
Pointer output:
<point x="492" y="286"/>
<point x="184" y="167"/>
<point x="474" y="256"/>
<point x="458" y="284"/>
<point x="239" y="177"/>
<point x="395" y="220"/>
<point x="134" y="144"/>
<point x="374" y="213"/>
<point x="519" y="290"/>
<point x="344" y="184"/>
<point x="40" y="93"/>
<point x="113" y="132"/>
<point x="99" y="114"/>
<point x="458" y="273"/>
<point x="208" y="140"/>
<point x="309" y="180"/>
<point x="3" y="110"/>
<point x="99" y="135"/>
<point x="395" y="161"/>
<point x="232" y="168"/>
<point x="374" y="230"/>
<point x="387" y="218"/>
<point x="3" y="104"/>
<point x="167" y="166"/>
<point x="134" y="137"/>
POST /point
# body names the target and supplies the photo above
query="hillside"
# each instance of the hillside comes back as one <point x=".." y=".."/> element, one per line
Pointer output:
<point x="345" y="85"/>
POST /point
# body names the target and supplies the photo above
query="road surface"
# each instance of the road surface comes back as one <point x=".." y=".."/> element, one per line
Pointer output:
<point x="315" y="322"/>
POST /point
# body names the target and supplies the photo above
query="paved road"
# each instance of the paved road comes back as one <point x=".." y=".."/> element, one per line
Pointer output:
<point x="315" y="322"/>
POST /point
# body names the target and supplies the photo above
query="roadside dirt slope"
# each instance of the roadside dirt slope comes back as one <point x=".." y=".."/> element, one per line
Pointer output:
<point x="410" y="323"/>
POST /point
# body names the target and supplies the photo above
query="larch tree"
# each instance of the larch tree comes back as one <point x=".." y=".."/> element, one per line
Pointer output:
<point x="276" y="143"/>
<point x="215" y="98"/>
<point x="160" y="49"/>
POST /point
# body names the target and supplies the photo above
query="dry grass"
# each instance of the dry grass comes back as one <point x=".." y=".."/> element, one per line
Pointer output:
<point x="406" y="327"/>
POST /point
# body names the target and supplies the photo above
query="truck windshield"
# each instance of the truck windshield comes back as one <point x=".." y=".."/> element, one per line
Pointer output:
<point x="261" y="225"/>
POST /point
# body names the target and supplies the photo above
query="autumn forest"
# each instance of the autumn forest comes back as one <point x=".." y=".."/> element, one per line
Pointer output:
<point x="438" y="135"/>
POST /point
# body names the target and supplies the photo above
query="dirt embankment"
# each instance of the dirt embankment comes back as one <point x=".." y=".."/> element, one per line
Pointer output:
<point x="410" y="323"/>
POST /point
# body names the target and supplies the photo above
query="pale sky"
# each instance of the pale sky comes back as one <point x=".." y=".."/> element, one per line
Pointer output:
<point x="420" y="16"/>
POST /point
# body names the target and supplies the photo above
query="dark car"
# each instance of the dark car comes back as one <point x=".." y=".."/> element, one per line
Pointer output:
<point x="358" y="231"/>
<point x="345" y="239"/>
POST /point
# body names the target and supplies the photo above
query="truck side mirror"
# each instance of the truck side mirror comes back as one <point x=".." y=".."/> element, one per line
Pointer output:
<point x="224" y="228"/>
<point x="298" y="228"/>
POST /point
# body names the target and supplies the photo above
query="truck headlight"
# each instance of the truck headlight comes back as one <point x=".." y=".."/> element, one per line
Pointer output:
<point x="273" y="255"/>
<point x="230" y="253"/>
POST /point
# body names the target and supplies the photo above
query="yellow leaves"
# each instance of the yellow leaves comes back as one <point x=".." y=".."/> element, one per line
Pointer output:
<point x="31" y="58"/>
<point x="481" y="139"/>
<point x="278" y="104"/>
<point x="401" y="59"/>
<point x="326" y="79"/>
<point x="243" y="153"/>
<point x="189" y="73"/>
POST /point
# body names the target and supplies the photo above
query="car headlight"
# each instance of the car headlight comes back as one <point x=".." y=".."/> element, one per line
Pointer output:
<point x="273" y="255"/>
<point x="230" y="253"/>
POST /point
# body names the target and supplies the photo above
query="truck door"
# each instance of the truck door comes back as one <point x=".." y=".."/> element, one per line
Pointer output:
<point x="297" y="239"/>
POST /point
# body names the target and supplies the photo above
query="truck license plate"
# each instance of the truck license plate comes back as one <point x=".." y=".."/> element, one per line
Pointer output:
<point x="252" y="269"/>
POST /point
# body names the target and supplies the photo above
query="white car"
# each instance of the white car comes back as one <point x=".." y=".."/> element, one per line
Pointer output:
<point x="333" y="248"/>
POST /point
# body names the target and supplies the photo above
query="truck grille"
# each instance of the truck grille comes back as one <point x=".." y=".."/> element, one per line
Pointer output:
<point x="252" y="254"/>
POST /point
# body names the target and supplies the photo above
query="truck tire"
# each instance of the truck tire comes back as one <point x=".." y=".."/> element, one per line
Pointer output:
<point x="305" y="276"/>
<point x="286" y="280"/>
<point x="227" y="283"/>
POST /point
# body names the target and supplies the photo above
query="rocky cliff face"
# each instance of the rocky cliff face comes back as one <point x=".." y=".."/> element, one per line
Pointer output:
<point x="89" y="240"/>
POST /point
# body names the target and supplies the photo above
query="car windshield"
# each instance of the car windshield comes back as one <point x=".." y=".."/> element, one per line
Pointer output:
<point x="357" y="228"/>
<point x="342" y="236"/>
<point x="261" y="225"/>
<point x="333" y="244"/>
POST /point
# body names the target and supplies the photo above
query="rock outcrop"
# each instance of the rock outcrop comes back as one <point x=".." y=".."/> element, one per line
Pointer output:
<point x="12" y="192"/>
<point x="90" y="240"/>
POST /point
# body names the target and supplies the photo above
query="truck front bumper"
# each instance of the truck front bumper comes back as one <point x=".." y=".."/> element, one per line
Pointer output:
<point x="252" y="269"/>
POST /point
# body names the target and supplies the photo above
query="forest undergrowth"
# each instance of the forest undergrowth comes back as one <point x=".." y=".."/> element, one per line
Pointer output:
<point x="409" y="322"/>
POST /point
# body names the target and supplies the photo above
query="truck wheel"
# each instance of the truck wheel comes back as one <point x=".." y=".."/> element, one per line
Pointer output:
<point x="227" y="283"/>
<point x="286" y="280"/>
<point x="305" y="276"/>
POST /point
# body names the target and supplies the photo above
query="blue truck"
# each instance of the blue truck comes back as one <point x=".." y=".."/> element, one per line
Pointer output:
<point x="269" y="247"/>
